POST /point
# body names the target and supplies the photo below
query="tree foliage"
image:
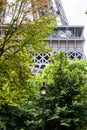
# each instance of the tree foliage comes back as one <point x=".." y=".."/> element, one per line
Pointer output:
<point x="23" y="36"/>
<point x="21" y="104"/>
<point x="66" y="105"/>
<point x="65" y="101"/>
<point x="23" y="33"/>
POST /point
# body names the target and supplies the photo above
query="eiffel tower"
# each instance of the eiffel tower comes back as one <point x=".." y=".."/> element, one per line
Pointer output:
<point x="67" y="38"/>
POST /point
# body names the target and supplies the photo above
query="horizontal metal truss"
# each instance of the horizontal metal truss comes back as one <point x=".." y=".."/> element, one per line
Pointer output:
<point x="42" y="60"/>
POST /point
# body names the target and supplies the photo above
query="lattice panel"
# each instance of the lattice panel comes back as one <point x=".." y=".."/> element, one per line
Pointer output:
<point x="74" y="55"/>
<point x="41" y="60"/>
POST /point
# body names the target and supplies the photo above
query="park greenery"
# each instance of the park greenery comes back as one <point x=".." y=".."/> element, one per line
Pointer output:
<point x="66" y="93"/>
<point x="17" y="46"/>
<point x="65" y="100"/>
<point x="21" y="104"/>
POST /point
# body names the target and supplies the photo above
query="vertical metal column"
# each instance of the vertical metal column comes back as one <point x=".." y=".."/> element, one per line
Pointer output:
<point x="61" y="13"/>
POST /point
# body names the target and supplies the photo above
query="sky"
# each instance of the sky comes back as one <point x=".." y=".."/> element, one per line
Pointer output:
<point x="75" y="12"/>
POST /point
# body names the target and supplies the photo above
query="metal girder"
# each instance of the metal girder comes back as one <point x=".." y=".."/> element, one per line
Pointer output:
<point x="61" y="13"/>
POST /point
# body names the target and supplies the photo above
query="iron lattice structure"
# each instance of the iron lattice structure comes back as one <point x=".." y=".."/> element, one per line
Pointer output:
<point x="69" y="39"/>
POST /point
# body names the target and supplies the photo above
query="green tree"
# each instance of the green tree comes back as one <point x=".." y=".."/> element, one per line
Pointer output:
<point x="23" y="36"/>
<point x="66" y="99"/>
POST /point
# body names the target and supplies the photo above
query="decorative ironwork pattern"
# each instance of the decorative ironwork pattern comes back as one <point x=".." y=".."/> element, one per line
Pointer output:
<point x="42" y="60"/>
